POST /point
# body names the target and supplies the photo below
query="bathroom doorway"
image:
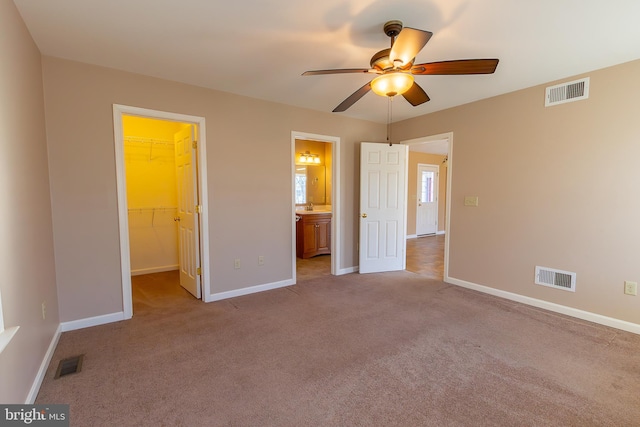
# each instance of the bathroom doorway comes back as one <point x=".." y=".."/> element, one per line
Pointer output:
<point x="315" y="206"/>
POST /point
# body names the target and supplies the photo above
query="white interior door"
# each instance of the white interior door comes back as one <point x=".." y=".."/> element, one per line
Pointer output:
<point x="427" y="213"/>
<point x="383" y="194"/>
<point x="188" y="233"/>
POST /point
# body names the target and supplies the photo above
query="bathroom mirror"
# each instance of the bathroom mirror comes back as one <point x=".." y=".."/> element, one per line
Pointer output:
<point x="311" y="185"/>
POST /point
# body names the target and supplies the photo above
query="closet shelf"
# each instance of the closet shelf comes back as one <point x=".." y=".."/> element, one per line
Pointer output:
<point x="152" y="142"/>
<point x="157" y="209"/>
<point x="152" y="211"/>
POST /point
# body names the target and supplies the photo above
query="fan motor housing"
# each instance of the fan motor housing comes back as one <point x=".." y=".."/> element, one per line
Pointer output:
<point x="380" y="61"/>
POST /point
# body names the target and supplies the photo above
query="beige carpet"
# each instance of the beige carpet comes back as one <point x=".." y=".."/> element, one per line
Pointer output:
<point x="393" y="349"/>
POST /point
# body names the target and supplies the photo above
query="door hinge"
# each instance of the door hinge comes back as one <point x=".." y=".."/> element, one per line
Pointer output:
<point x="199" y="271"/>
<point x="198" y="209"/>
<point x="194" y="144"/>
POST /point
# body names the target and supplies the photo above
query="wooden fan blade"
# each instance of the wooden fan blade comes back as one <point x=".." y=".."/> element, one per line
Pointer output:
<point x="407" y="45"/>
<point x="416" y="95"/>
<point x="462" y="66"/>
<point x="353" y="98"/>
<point x="338" y="71"/>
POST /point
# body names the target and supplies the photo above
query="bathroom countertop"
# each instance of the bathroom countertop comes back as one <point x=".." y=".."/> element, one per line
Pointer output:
<point x="315" y="211"/>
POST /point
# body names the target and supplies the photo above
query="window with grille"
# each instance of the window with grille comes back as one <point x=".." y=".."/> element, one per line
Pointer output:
<point x="301" y="188"/>
<point x="426" y="195"/>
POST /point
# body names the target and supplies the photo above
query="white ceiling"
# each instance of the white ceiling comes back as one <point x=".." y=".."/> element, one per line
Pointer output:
<point x="260" y="48"/>
<point x="439" y="146"/>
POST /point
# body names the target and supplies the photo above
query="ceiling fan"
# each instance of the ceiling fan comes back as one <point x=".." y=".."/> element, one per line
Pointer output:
<point x="395" y="68"/>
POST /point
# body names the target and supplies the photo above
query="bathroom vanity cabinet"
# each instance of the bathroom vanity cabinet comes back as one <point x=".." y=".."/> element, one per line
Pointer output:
<point x="313" y="234"/>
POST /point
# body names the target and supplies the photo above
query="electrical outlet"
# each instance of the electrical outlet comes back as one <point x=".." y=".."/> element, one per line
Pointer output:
<point x="471" y="200"/>
<point x="630" y="288"/>
<point x="44" y="310"/>
<point x="236" y="263"/>
<point x="261" y="260"/>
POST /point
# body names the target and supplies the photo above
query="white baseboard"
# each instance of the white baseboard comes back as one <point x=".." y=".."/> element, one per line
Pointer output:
<point x="151" y="270"/>
<point x="92" y="321"/>
<point x="348" y="270"/>
<point x="250" y="290"/>
<point x="415" y="236"/>
<point x="35" y="387"/>
<point x="557" y="308"/>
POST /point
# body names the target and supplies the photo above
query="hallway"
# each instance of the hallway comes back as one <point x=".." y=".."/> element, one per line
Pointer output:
<point x="425" y="256"/>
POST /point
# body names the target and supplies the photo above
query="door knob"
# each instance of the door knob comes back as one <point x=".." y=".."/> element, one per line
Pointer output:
<point x="364" y="215"/>
<point x="176" y="218"/>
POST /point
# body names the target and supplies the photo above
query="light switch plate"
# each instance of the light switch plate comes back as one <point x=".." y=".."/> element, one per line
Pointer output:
<point x="471" y="200"/>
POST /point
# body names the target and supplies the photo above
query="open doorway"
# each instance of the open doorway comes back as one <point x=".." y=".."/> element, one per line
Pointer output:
<point x="161" y="194"/>
<point x="315" y="205"/>
<point x="163" y="236"/>
<point x="429" y="186"/>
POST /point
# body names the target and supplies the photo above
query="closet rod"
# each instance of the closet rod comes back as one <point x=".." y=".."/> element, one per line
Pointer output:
<point x="153" y="211"/>
<point x="160" y="208"/>
<point x="144" y="140"/>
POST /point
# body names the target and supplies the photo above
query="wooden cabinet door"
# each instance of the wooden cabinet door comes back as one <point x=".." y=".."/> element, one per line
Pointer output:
<point x="309" y="239"/>
<point x="323" y="236"/>
<point x="313" y="235"/>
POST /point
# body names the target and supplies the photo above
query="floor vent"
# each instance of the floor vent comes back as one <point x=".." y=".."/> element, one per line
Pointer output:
<point x="68" y="366"/>
<point x="567" y="92"/>
<point x="558" y="279"/>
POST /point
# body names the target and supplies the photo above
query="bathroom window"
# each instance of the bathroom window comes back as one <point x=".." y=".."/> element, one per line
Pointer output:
<point x="301" y="188"/>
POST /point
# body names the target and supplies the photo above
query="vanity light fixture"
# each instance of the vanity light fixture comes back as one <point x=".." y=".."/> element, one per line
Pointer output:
<point x="307" y="157"/>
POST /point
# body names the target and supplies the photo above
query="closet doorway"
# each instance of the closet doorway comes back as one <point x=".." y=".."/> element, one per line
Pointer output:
<point x="160" y="188"/>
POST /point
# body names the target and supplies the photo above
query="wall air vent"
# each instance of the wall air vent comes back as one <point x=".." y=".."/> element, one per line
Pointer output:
<point x="558" y="279"/>
<point x="567" y="92"/>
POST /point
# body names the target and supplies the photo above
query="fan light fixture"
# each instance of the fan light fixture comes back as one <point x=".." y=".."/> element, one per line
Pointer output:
<point x="392" y="84"/>
<point x="307" y="157"/>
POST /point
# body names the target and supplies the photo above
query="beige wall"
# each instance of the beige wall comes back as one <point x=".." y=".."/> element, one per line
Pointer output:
<point x="26" y="237"/>
<point x="249" y="213"/>
<point x="416" y="158"/>
<point x="557" y="187"/>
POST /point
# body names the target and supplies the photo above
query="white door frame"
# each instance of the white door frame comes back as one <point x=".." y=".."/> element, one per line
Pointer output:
<point x="447" y="225"/>
<point x="335" y="198"/>
<point x="123" y="218"/>
<point x="437" y="191"/>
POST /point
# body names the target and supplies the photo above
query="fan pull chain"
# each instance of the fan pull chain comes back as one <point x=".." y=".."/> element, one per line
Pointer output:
<point x="389" y="113"/>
